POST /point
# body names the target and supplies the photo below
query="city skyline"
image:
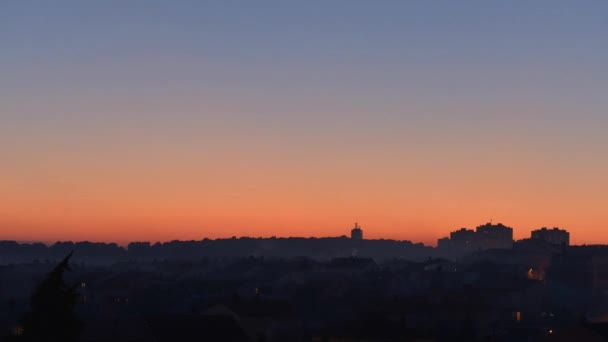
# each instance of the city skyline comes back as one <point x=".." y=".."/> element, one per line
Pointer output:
<point x="357" y="233"/>
<point x="155" y="121"/>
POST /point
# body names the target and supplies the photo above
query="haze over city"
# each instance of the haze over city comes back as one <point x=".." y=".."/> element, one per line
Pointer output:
<point x="154" y="121"/>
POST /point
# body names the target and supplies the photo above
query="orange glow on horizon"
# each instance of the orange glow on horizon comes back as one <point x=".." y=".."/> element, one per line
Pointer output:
<point x="162" y="227"/>
<point x="190" y="121"/>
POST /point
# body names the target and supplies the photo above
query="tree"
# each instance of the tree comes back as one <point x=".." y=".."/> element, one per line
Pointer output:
<point x="51" y="317"/>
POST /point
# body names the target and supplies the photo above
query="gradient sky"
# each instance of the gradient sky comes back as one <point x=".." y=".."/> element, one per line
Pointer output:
<point x="160" y="120"/>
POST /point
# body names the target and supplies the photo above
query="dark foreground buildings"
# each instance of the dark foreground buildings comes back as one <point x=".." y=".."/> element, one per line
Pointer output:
<point x="534" y="290"/>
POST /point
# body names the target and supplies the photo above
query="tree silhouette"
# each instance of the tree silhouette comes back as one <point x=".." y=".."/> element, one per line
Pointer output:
<point x="51" y="317"/>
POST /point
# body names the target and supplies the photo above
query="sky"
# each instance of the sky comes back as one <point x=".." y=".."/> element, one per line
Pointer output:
<point x="160" y="120"/>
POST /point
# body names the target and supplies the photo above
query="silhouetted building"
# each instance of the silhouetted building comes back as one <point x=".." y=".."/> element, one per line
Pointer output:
<point x="494" y="236"/>
<point x="555" y="236"/>
<point x="463" y="238"/>
<point x="356" y="233"/>
<point x="583" y="271"/>
<point x="309" y="289"/>
<point x="444" y="243"/>
<point x="487" y="236"/>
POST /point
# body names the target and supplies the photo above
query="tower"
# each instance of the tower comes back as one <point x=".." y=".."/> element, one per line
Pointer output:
<point x="356" y="233"/>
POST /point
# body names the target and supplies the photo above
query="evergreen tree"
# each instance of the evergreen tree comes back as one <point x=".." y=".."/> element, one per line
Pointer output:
<point x="51" y="317"/>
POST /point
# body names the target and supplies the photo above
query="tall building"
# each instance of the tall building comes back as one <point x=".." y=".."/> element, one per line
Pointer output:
<point x="555" y="236"/>
<point x="464" y="240"/>
<point x="487" y="236"/>
<point x="493" y="236"/>
<point x="356" y="233"/>
<point x="444" y="243"/>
